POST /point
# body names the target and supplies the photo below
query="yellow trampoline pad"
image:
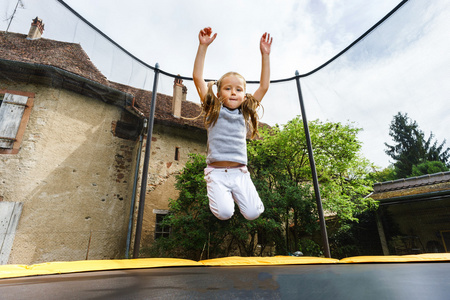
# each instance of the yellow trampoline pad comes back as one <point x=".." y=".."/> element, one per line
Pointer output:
<point x="11" y="271"/>
<point x="428" y="257"/>
<point x="272" y="260"/>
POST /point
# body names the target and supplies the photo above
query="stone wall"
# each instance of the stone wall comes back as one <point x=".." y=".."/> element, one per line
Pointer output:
<point x="74" y="178"/>
<point x="163" y="169"/>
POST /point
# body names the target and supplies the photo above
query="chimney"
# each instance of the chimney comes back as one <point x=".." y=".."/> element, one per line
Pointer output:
<point x="179" y="95"/>
<point x="36" y="29"/>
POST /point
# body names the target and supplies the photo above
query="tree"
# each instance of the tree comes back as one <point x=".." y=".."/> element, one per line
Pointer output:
<point x="386" y="174"/>
<point x="195" y="232"/>
<point x="429" y="167"/>
<point x="411" y="147"/>
<point x="280" y="166"/>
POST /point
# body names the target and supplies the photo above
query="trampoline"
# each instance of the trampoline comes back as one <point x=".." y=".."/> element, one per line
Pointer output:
<point x="392" y="277"/>
<point x="382" y="53"/>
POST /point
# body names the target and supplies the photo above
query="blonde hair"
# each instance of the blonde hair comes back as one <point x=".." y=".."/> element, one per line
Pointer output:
<point x="212" y="105"/>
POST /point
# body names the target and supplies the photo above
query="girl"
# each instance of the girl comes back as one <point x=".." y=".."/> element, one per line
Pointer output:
<point x="228" y="114"/>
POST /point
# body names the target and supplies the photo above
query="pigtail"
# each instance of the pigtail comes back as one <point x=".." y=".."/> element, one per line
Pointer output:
<point x="249" y="110"/>
<point x="211" y="106"/>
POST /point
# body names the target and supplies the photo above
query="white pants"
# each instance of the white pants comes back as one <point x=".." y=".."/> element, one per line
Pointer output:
<point x="227" y="186"/>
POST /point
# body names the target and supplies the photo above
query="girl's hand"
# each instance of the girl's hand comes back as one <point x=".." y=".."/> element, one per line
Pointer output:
<point x="205" y="37"/>
<point x="265" y="43"/>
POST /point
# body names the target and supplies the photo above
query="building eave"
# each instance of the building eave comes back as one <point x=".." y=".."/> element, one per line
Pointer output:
<point x="16" y="71"/>
<point x="413" y="182"/>
<point x="427" y="187"/>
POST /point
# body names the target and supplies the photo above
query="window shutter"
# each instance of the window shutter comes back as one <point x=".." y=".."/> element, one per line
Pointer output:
<point x="9" y="218"/>
<point x="11" y="112"/>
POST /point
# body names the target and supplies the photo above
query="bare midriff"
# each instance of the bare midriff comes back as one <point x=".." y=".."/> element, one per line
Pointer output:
<point x="226" y="164"/>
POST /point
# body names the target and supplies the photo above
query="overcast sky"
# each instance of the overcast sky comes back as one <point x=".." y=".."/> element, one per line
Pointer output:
<point x="403" y="66"/>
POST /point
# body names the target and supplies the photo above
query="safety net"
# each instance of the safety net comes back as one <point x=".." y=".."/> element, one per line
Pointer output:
<point x="76" y="105"/>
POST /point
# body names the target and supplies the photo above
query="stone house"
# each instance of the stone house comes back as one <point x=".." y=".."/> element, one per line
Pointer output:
<point x="173" y="139"/>
<point x="69" y="145"/>
<point x="414" y="214"/>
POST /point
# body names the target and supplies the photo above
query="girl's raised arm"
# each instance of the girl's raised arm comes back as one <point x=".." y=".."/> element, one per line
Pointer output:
<point x="264" y="45"/>
<point x="205" y="39"/>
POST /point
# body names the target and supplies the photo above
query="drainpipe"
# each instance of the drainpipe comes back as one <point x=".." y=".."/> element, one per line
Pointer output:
<point x="133" y="197"/>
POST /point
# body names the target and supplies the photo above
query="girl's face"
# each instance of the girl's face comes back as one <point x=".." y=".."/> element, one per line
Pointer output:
<point x="232" y="91"/>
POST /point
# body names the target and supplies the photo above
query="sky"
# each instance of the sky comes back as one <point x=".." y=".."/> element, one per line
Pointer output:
<point x="403" y="66"/>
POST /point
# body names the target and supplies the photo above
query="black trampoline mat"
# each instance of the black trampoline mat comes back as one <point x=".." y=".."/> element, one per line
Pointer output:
<point x="321" y="281"/>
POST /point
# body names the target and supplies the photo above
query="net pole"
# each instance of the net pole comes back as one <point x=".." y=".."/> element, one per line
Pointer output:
<point x="323" y="226"/>
<point x="151" y="118"/>
<point x="133" y="196"/>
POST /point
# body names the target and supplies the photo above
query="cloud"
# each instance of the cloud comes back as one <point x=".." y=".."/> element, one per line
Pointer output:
<point x="402" y="66"/>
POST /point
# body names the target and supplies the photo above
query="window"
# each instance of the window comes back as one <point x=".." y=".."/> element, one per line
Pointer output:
<point x="15" y="110"/>
<point x="161" y="231"/>
<point x="177" y="153"/>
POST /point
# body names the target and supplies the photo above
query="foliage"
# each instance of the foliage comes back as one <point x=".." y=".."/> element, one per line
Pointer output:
<point x="429" y="167"/>
<point x="195" y="232"/>
<point x="411" y="147"/>
<point x="387" y="174"/>
<point x="309" y="248"/>
<point x="190" y="220"/>
<point x="280" y="166"/>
